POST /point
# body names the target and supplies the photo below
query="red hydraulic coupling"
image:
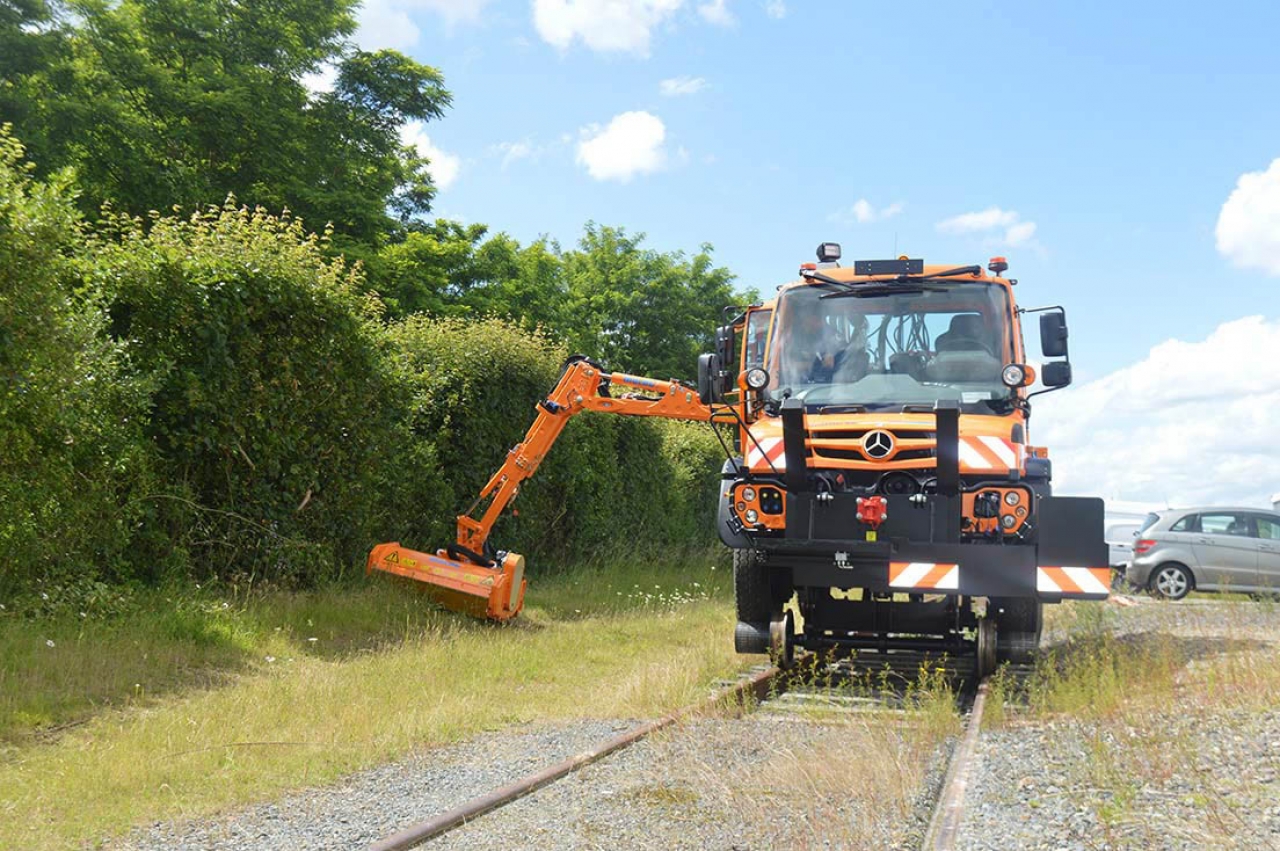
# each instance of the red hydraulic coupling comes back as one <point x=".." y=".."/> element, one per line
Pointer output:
<point x="872" y="510"/>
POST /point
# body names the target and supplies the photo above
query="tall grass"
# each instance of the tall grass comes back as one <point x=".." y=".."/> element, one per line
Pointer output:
<point x="384" y="674"/>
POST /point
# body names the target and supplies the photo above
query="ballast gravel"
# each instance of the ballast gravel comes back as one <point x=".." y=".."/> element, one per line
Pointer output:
<point x="755" y="782"/>
<point x="1179" y="776"/>
<point x="374" y="804"/>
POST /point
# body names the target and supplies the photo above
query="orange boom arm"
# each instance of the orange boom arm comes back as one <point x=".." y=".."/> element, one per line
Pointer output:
<point x="466" y="575"/>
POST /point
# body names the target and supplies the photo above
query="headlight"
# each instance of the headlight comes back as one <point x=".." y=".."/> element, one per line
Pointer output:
<point x="1013" y="375"/>
<point x="751" y="516"/>
<point x="1008" y="521"/>
<point x="757" y="378"/>
<point x="1011" y="498"/>
<point x="749" y="493"/>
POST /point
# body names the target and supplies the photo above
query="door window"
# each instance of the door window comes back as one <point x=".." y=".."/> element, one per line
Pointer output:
<point x="1268" y="528"/>
<point x="1224" y="524"/>
<point x="755" y="338"/>
<point x="1186" y="524"/>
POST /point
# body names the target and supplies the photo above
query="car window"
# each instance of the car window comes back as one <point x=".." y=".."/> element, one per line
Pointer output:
<point x="1224" y="524"/>
<point x="1147" y="522"/>
<point x="1186" y="524"/>
<point x="1268" y="527"/>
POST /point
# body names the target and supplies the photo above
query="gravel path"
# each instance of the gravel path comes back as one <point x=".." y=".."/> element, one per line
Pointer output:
<point x="761" y="781"/>
<point x="373" y="804"/>
<point x="1183" y="773"/>
<point x="758" y="782"/>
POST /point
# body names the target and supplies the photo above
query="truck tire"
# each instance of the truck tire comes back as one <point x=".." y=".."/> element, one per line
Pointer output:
<point x="1020" y="620"/>
<point x="751" y="592"/>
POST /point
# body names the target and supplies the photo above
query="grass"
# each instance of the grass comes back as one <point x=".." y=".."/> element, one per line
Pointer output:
<point x="189" y="706"/>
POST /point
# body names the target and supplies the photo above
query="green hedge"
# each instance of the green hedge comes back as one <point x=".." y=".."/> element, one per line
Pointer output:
<point x="213" y="395"/>
<point x="609" y="481"/>
<point x="72" y="465"/>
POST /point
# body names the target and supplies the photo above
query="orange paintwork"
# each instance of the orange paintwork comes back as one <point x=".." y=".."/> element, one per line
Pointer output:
<point x="776" y="522"/>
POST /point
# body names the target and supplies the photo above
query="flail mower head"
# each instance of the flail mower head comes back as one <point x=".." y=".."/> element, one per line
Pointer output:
<point x="494" y="592"/>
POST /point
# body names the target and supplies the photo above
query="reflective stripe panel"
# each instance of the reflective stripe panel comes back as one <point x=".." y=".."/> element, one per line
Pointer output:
<point x="1073" y="580"/>
<point x="770" y="448"/>
<point x="986" y="452"/>
<point x="924" y="575"/>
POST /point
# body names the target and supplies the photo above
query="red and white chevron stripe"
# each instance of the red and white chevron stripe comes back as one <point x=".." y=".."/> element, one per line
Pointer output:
<point x="769" y="449"/>
<point x="1073" y="580"/>
<point x="924" y="575"/>
<point x="985" y="452"/>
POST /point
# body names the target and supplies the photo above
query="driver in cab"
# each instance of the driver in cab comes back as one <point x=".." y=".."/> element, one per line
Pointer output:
<point x="810" y="347"/>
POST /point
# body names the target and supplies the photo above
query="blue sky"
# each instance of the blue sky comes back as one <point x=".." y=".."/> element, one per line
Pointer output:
<point x="1095" y="144"/>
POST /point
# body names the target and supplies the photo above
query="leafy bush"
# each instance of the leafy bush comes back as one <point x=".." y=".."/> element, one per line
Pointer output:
<point x="69" y="439"/>
<point x="272" y="408"/>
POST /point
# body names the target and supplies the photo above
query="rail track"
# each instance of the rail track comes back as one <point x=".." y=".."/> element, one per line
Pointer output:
<point x="867" y="683"/>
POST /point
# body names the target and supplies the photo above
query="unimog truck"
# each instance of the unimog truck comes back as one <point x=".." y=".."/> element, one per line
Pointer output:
<point x="886" y="479"/>
<point x="881" y="491"/>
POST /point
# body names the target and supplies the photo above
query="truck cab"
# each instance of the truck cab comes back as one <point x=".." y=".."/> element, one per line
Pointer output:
<point x="885" y="480"/>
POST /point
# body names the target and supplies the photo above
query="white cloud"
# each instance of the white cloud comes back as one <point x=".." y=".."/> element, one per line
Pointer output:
<point x="1249" y="224"/>
<point x="1020" y="233"/>
<point x="862" y="212"/>
<point x="1191" y="423"/>
<point x="717" y="12"/>
<point x="992" y="217"/>
<point x="388" y="23"/>
<point x="321" y="80"/>
<point x="515" y="151"/>
<point x="443" y="166"/>
<point x="621" y="26"/>
<point x="385" y="24"/>
<point x="630" y="145"/>
<point x="1016" y="231"/>
<point x="677" y="86"/>
<point x="775" y="9"/>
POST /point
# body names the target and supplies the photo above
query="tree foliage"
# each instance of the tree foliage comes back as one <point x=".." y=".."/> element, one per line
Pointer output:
<point x="180" y="102"/>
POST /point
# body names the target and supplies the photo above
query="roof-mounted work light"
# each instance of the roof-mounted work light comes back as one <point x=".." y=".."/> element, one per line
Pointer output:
<point x="828" y="252"/>
<point x="998" y="265"/>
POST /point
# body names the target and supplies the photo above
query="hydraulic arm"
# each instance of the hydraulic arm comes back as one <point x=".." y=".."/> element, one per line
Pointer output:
<point x="470" y="575"/>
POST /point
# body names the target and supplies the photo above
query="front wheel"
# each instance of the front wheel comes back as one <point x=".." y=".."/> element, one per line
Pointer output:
<point x="1171" y="581"/>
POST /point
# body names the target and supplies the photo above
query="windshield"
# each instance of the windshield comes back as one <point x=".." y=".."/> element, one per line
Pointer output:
<point x="912" y="348"/>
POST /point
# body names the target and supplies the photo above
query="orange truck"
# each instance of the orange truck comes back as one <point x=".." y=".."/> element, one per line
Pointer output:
<point x="881" y="483"/>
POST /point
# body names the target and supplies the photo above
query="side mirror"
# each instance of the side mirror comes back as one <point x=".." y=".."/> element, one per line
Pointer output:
<point x="727" y="352"/>
<point x="709" y="379"/>
<point x="1056" y="374"/>
<point x="1053" y="335"/>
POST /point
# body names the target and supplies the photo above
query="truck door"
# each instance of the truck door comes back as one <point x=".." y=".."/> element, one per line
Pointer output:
<point x="1228" y="555"/>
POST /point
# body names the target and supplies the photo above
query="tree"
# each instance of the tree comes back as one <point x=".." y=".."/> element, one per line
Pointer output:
<point x="164" y="102"/>
<point x="639" y="309"/>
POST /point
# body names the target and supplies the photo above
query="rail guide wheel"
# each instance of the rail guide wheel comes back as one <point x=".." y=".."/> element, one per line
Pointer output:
<point x="986" y="647"/>
<point x="782" y="640"/>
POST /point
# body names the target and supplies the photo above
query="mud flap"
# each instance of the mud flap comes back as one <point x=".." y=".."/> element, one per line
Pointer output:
<point x="1072" y="557"/>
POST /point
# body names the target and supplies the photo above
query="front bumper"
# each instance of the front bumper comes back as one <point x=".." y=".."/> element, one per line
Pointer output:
<point x="976" y="570"/>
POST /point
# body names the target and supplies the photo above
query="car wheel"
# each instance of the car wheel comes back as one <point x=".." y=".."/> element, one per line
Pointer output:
<point x="1171" y="581"/>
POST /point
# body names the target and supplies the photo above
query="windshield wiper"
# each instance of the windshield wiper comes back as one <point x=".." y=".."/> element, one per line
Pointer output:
<point x="843" y="409"/>
<point x="876" y="289"/>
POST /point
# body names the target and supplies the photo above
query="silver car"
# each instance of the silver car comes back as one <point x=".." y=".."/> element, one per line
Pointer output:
<point x="1207" y="549"/>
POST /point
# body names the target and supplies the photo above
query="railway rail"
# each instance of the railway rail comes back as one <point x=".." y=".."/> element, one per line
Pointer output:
<point x="883" y="682"/>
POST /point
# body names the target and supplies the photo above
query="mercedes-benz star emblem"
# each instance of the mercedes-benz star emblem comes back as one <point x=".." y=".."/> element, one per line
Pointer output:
<point x="877" y="444"/>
